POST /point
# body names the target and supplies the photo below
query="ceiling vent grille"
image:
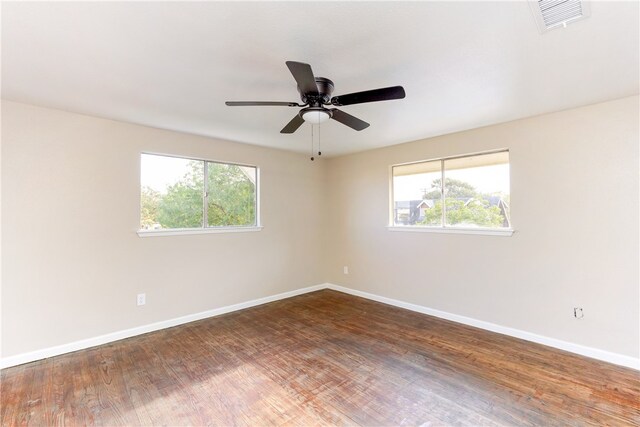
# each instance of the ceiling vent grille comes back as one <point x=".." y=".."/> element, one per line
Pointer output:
<point x="558" y="13"/>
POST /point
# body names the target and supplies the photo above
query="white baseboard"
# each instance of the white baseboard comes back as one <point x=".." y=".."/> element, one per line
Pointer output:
<point x="19" y="359"/>
<point x="595" y="353"/>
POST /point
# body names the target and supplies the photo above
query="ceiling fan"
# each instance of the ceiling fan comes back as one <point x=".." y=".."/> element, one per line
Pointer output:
<point x="315" y="93"/>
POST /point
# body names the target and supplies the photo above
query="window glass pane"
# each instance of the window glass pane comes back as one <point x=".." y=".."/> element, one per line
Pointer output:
<point x="171" y="192"/>
<point x="477" y="191"/>
<point x="416" y="193"/>
<point x="232" y="195"/>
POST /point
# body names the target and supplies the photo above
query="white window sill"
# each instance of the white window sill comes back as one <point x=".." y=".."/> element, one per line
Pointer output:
<point x="483" y="231"/>
<point x="186" y="231"/>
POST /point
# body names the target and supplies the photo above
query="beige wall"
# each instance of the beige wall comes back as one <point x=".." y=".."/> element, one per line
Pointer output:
<point x="574" y="199"/>
<point x="72" y="261"/>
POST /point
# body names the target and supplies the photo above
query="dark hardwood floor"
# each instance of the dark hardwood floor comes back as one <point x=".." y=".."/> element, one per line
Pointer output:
<point x="323" y="358"/>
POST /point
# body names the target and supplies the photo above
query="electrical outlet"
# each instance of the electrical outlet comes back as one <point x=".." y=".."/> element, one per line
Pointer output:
<point x="345" y="269"/>
<point x="578" y="313"/>
<point x="141" y="299"/>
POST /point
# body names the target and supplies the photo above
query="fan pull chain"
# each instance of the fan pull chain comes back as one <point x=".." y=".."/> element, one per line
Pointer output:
<point x="312" y="159"/>
<point x="319" y="152"/>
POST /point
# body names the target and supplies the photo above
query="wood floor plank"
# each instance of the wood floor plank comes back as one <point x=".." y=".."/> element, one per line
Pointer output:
<point x="323" y="358"/>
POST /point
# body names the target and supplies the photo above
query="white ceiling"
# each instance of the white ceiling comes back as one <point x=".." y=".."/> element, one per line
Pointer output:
<point x="172" y="65"/>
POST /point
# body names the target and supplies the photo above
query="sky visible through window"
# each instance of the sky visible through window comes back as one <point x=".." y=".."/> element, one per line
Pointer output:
<point x="160" y="172"/>
<point x="486" y="179"/>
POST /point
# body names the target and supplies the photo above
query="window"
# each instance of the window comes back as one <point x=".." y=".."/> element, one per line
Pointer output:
<point x="466" y="192"/>
<point x="178" y="193"/>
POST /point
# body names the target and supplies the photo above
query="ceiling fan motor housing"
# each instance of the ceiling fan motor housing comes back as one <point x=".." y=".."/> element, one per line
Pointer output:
<point x="325" y="89"/>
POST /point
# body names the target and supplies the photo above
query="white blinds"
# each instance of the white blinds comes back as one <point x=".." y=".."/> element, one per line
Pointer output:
<point x="473" y="161"/>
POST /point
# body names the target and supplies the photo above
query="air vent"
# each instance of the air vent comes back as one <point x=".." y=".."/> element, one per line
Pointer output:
<point x="551" y="14"/>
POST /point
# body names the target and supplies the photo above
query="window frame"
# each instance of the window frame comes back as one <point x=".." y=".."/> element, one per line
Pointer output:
<point x="443" y="228"/>
<point x="205" y="229"/>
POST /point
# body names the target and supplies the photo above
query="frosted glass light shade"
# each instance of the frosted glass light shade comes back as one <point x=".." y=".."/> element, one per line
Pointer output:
<point x="315" y="116"/>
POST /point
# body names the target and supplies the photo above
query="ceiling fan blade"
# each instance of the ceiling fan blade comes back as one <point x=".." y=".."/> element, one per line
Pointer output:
<point x="293" y="125"/>
<point x="349" y="120"/>
<point x="304" y="76"/>
<point x="384" y="94"/>
<point x="261" y="103"/>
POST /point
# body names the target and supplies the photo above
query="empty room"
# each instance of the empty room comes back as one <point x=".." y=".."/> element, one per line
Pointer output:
<point x="320" y="213"/>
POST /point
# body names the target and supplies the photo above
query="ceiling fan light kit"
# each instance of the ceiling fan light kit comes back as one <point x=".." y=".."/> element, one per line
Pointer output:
<point x="315" y="116"/>
<point x="315" y="94"/>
